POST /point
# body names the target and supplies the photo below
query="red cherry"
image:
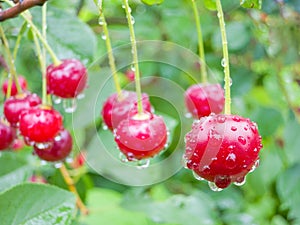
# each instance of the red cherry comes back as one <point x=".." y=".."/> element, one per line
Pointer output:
<point x="79" y="160"/>
<point x="22" y="81"/>
<point x="130" y="74"/>
<point x="37" y="179"/>
<point x="204" y="99"/>
<point x="115" y="110"/>
<point x="7" y="135"/>
<point x="222" y="148"/>
<point x="59" y="150"/>
<point x="40" y="125"/>
<point x="66" y="80"/>
<point x="141" y="137"/>
<point x="14" y="105"/>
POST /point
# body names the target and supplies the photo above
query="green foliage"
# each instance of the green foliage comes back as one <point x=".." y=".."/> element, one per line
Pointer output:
<point x="36" y="204"/>
<point x="251" y="3"/>
<point x="152" y="2"/>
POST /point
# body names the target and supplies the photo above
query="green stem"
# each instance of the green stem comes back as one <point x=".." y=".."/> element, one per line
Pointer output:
<point x="200" y="43"/>
<point x="225" y="60"/>
<point x="43" y="64"/>
<point x="135" y="57"/>
<point x="111" y="58"/>
<point x="12" y="68"/>
<point x="55" y="60"/>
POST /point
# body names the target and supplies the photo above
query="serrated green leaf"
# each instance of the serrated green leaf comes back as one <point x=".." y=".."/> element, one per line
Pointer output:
<point x="13" y="170"/>
<point x="256" y="4"/>
<point x="36" y="204"/>
<point x="152" y="2"/>
<point x="68" y="36"/>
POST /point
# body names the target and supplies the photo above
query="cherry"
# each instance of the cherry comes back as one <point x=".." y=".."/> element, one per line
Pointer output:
<point x="222" y="149"/>
<point x="204" y="99"/>
<point x="14" y="105"/>
<point x="115" y="110"/>
<point x="141" y="136"/>
<point x="130" y="74"/>
<point x="37" y="179"/>
<point x="7" y="135"/>
<point x="79" y="160"/>
<point x="59" y="150"/>
<point x="40" y="125"/>
<point x="22" y="81"/>
<point x="66" y="80"/>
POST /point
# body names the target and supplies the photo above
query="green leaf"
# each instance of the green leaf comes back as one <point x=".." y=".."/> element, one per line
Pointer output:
<point x="288" y="190"/>
<point x="68" y="36"/>
<point x="210" y="4"/>
<point x="256" y="4"/>
<point x="13" y="170"/>
<point x="152" y="2"/>
<point x="35" y="204"/>
<point x="104" y="206"/>
<point x="291" y="141"/>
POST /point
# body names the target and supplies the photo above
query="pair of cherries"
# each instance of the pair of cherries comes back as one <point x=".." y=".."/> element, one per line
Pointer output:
<point x="221" y="149"/>
<point x="41" y="126"/>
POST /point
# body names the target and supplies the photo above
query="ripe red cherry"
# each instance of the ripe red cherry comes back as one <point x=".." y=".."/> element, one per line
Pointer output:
<point x="66" y="80"/>
<point x="40" y="124"/>
<point x="141" y="137"/>
<point x="59" y="150"/>
<point x="22" y="81"/>
<point x="115" y="110"/>
<point x="130" y="74"/>
<point x="7" y="135"/>
<point x="14" y="105"/>
<point x="222" y="149"/>
<point x="204" y="99"/>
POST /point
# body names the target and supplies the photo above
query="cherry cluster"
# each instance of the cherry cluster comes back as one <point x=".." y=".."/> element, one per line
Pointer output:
<point x="139" y="136"/>
<point x="38" y="123"/>
<point x="220" y="148"/>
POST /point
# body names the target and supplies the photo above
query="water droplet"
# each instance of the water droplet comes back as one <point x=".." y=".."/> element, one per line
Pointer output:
<point x="80" y="96"/>
<point x="188" y="115"/>
<point x="224" y="62"/>
<point x="166" y="145"/>
<point x="58" y="165"/>
<point x="104" y="127"/>
<point x="143" y="164"/>
<point x="213" y="186"/>
<point x="132" y="20"/>
<point x="256" y="164"/>
<point x="184" y="162"/>
<point x="43" y="162"/>
<point x="123" y="157"/>
<point x="101" y="21"/>
<point x="103" y="36"/>
<point x="245" y="128"/>
<point x="215" y="139"/>
<point x="221" y="119"/>
<point x="231" y="147"/>
<point x="197" y="177"/>
<point x="230" y="161"/>
<point x="69" y="160"/>
<point x="28" y="141"/>
<point x="205" y="169"/>
<point x="123" y="6"/>
<point x="56" y="100"/>
<point x="240" y="181"/>
<point x="43" y="145"/>
<point x="233" y="128"/>
<point x="69" y="105"/>
<point x="132" y="67"/>
<point x="218" y="15"/>
<point x="236" y="118"/>
<point x="242" y="140"/>
<point x="57" y="137"/>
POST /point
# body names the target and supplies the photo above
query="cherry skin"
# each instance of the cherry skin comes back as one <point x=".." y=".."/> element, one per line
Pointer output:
<point x="66" y="80"/>
<point x="115" y="110"/>
<point x="23" y="84"/>
<point x="59" y="150"/>
<point x="204" y="99"/>
<point x="130" y="74"/>
<point x="222" y="148"/>
<point x="141" y="137"/>
<point x="7" y="136"/>
<point x="14" y="106"/>
<point x="40" y="125"/>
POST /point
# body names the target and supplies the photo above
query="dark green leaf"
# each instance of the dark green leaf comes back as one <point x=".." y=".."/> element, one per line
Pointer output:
<point x="152" y="2"/>
<point x="68" y="36"/>
<point x="251" y="3"/>
<point x="288" y="190"/>
<point x="36" y="204"/>
<point x="13" y="170"/>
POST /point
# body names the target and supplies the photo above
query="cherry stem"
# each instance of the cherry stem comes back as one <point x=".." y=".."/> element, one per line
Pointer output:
<point x="225" y="60"/>
<point x="55" y="60"/>
<point x="69" y="181"/>
<point x="11" y="65"/>
<point x="111" y="58"/>
<point x="135" y="57"/>
<point x="200" y="43"/>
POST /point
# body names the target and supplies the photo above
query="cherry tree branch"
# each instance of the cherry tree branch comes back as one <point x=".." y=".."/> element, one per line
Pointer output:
<point x="19" y="8"/>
